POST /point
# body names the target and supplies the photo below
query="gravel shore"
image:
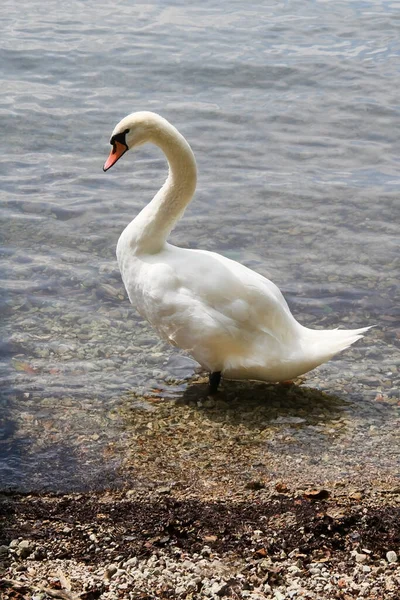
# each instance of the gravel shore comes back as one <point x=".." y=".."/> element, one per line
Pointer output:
<point x="275" y="543"/>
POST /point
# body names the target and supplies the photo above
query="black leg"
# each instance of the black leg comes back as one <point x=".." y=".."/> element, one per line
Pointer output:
<point x="214" y="379"/>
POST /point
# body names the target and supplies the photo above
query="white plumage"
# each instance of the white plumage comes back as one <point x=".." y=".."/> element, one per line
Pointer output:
<point x="228" y="317"/>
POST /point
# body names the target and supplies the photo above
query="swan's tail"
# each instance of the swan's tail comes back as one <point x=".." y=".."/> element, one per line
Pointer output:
<point x="325" y="343"/>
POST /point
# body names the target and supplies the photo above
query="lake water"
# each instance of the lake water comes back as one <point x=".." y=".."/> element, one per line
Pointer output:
<point x="292" y="110"/>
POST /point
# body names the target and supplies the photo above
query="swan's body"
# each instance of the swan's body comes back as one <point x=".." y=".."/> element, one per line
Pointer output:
<point x="230" y="319"/>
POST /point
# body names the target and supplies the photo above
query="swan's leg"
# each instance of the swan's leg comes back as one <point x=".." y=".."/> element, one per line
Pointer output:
<point x="214" y="379"/>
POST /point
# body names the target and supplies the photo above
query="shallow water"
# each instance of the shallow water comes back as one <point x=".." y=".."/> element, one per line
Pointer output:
<point x="292" y="111"/>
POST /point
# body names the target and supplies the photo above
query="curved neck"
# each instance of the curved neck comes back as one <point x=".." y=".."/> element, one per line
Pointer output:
<point x="150" y="229"/>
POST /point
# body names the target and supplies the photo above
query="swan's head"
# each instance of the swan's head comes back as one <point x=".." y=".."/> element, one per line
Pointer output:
<point x="132" y="131"/>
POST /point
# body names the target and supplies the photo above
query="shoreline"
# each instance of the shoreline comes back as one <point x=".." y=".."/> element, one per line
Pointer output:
<point x="264" y="492"/>
<point x="272" y="543"/>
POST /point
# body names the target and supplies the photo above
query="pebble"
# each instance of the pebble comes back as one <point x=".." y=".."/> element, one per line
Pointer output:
<point x="24" y="548"/>
<point x="366" y="569"/>
<point x="123" y="586"/>
<point x="110" y="571"/>
<point x="217" y="587"/>
<point x="390" y="584"/>
<point x="391" y="556"/>
<point x="164" y="490"/>
<point x="360" y="558"/>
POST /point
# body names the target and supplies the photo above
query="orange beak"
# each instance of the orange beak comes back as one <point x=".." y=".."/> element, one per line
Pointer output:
<point x="117" y="151"/>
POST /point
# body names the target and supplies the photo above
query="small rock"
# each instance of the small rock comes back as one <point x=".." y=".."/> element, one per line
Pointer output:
<point x="281" y="487"/>
<point x="360" y="558"/>
<point x="110" y="571"/>
<point x="293" y="569"/>
<point x="267" y="589"/>
<point x="180" y="590"/>
<point x="317" y="494"/>
<point x="217" y="587"/>
<point x="210" y="538"/>
<point x="164" y="540"/>
<point x="356" y="495"/>
<point x="3" y="550"/>
<point x="265" y="564"/>
<point x="390" y="584"/>
<point x="191" y="586"/>
<point x="391" y="556"/>
<point x="67" y="529"/>
<point x="366" y="569"/>
<point x="24" y="548"/>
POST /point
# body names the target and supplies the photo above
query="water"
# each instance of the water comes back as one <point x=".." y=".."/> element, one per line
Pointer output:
<point x="292" y="111"/>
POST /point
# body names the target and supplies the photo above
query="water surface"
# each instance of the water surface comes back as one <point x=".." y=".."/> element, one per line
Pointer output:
<point x="292" y="111"/>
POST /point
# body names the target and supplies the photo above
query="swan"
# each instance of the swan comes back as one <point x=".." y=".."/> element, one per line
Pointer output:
<point x="232" y="320"/>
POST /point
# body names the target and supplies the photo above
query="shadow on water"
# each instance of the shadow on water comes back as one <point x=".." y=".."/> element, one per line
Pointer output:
<point x="57" y="467"/>
<point x="249" y="431"/>
<point x="38" y="449"/>
<point x="34" y="458"/>
<point x="256" y="404"/>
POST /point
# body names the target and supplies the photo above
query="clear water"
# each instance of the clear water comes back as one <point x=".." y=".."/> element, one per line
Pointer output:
<point x="292" y="110"/>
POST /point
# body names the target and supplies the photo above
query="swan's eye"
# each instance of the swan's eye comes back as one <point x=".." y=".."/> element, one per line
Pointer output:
<point x="119" y="137"/>
<point x="127" y="131"/>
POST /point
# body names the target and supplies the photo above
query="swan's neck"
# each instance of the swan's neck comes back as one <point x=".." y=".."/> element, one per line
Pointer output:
<point x="150" y="229"/>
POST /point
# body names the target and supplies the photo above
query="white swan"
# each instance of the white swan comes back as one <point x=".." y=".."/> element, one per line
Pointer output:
<point x="232" y="320"/>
